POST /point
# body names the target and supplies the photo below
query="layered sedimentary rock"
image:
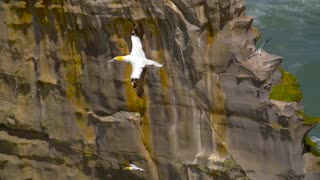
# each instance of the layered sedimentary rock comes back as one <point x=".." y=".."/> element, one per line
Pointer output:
<point x="67" y="114"/>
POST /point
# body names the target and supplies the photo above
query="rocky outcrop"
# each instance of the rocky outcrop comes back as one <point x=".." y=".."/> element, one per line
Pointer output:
<point x="67" y="114"/>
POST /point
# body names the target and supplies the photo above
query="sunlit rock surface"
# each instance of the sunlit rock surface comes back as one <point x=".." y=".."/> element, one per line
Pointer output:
<point x="67" y="114"/>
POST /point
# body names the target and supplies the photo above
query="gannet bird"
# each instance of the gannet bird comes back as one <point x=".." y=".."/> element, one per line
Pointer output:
<point x="138" y="61"/>
<point x="133" y="167"/>
<point x="258" y="51"/>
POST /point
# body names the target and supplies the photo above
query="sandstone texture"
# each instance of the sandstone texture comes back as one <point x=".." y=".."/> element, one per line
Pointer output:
<point x="65" y="113"/>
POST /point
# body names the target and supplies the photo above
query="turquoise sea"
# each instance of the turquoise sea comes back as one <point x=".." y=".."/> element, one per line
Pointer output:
<point x="294" y="28"/>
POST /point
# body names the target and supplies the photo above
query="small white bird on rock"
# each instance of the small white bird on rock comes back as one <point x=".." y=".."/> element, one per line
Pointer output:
<point x="138" y="61"/>
<point x="133" y="167"/>
<point x="259" y="51"/>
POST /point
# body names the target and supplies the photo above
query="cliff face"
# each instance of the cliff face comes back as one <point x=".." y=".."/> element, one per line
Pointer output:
<point x="67" y="114"/>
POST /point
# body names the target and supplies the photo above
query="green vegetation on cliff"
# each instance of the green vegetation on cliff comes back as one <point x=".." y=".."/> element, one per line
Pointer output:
<point x="309" y="119"/>
<point x="311" y="146"/>
<point x="287" y="90"/>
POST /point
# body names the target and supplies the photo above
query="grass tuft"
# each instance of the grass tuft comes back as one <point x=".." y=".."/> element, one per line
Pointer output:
<point x="287" y="90"/>
<point x="311" y="146"/>
<point x="309" y="120"/>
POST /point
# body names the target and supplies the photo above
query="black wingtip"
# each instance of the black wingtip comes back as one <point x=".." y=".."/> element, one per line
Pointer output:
<point x="137" y="88"/>
<point x="139" y="92"/>
<point x="138" y="31"/>
<point x="268" y="39"/>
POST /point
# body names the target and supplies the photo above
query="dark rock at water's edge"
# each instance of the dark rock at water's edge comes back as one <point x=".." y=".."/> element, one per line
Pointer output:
<point x="67" y="114"/>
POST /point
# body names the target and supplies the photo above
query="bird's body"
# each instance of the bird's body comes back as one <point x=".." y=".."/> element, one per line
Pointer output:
<point x="133" y="167"/>
<point x="138" y="61"/>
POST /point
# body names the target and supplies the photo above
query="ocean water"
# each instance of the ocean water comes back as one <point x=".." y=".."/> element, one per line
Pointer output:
<point x="294" y="28"/>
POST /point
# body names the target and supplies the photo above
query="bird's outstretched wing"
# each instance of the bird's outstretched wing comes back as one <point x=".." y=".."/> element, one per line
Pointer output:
<point x="253" y="54"/>
<point x="136" y="37"/>
<point x="135" y="168"/>
<point x="265" y="43"/>
<point x="137" y="84"/>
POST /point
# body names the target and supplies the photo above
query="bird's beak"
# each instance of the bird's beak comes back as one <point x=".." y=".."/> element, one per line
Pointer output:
<point x="112" y="60"/>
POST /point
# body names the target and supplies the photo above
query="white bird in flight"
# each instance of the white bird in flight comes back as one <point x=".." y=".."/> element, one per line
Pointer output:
<point x="258" y="51"/>
<point x="133" y="167"/>
<point x="138" y="61"/>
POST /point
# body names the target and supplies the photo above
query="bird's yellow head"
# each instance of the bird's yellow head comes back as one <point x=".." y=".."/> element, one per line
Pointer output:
<point x="118" y="58"/>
